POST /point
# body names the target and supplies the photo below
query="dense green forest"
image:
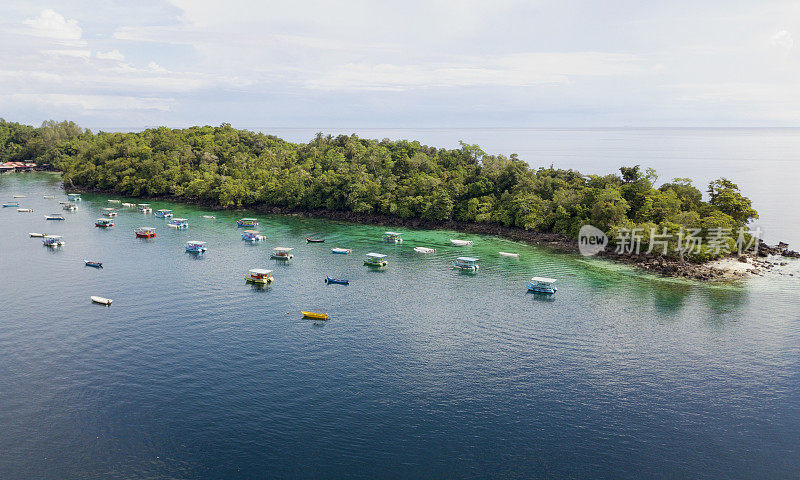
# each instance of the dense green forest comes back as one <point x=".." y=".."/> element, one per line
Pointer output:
<point x="233" y="168"/>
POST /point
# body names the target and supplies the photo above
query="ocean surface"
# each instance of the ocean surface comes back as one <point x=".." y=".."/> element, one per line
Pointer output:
<point x="420" y="372"/>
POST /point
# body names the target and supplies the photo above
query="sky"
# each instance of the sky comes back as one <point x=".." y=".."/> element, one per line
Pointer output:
<point x="410" y="64"/>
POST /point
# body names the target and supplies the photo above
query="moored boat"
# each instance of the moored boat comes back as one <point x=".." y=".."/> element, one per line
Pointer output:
<point x="461" y="243"/>
<point x="163" y="213"/>
<point x="101" y="300"/>
<point x="178" y="223"/>
<point x="145" y="232"/>
<point x="104" y="223"/>
<point x="25" y="210"/>
<point x="392" y="237"/>
<point x="54" y="216"/>
<point x="20" y="196"/>
<point x="70" y="207"/>
<point x="466" y="263"/>
<point x="542" y="285"/>
<point x="53" y="241"/>
<point x="424" y="250"/>
<point x="509" y="254"/>
<point x="196" y="246"/>
<point x="376" y="260"/>
<point x="110" y="212"/>
<point x="253" y="236"/>
<point x="49" y="196"/>
<point x="340" y="281"/>
<point x="314" y="240"/>
<point x="11" y="204"/>
<point x="90" y="263"/>
<point x="259" y="275"/>
<point x="341" y="251"/>
<point x="247" y="222"/>
<point x="209" y="216"/>
<point x="282" y="253"/>
<point x="144" y="208"/>
<point x="74" y="197"/>
<point x="315" y="316"/>
<point x="34" y="234"/>
<point x="113" y="201"/>
<point x="129" y="205"/>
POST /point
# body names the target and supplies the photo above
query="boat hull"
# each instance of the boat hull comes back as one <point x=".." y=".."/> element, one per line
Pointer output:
<point x="260" y="281"/>
<point x="101" y="300"/>
<point x="539" y="289"/>
<point x="315" y="316"/>
<point x="340" y="281"/>
<point x="376" y="264"/>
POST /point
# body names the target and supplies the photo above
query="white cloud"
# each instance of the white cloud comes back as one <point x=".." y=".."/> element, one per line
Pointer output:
<point x="782" y="39"/>
<point x="68" y="52"/>
<point x="51" y="24"/>
<point x="88" y="102"/>
<point x="110" y="55"/>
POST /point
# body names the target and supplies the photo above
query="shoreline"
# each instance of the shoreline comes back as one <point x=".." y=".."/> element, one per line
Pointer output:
<point x="729" y="268"/>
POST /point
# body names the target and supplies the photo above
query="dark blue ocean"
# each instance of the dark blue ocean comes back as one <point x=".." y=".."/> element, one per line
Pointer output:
<point x="420" y="372"/>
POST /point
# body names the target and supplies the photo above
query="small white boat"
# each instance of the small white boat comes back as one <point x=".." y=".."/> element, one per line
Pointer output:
<point x="101" y="300"/>
<point x="33" y="234"/>
<point x="341" y="251"/>
<point x="542" y="285"/>
<point x="70" y="207"/>
<point x="113" y="201"/>
<point x="424" y="250"/>
<point x="392" y="237"/>
<point x="461" y="243"/>
<point x="209" y="216"/>
<point x="508" y="254"/>
<point x="49" y="196"/>
<point x="24" y="210"/>
<point x="129" y="205"/>
<point x="20" y="196"/>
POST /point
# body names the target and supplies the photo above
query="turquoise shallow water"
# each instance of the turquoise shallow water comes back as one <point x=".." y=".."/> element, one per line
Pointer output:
<point x="421" y="371"/>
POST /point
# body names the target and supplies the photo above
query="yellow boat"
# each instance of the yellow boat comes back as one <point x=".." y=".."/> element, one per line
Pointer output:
<point x="315" y="316"/>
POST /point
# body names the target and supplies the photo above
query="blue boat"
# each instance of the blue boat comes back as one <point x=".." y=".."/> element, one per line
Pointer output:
<point x="247" y="222"/>
<point x="89" y="263"/>
<point x="54" y="216"/>
<point x="542" y="285"/>
<point x="178" y="223"/>
<point x="340" y="281"/>
<point x="164" y="213"/>
<point x="341" y="251"/>
<point x="253" y="236"/>
<point x="194" y="246"/>
<point x="13" y="204"/>
<point x="466" y="263"/>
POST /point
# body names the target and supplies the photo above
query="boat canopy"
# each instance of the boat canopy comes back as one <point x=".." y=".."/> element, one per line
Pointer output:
<point x="376" y="255"/>
<point x="393" y="234"/>
<point x="164" y="210"/>
<point x="146" y="229"/>
<point x="73" y="195"/>
<point x="248" y="219"/>
<point x="53" y="237"/>
<point x="109" y="209"/>
<point x="260" y="271"/>
<point x="103" y="220"/>
<point x="195" y="242"/>
<point x="467" y="259"/>
<point x="282" y="249"/>
<point x="253" y="232"/>
<point x="543" y="280"/>
<point x="144" y="204"/>
<point x="179" y="220"/>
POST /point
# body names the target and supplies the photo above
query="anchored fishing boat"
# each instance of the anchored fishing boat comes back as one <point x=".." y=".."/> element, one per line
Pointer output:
<point x="542" y="285"/>
<point x="101" y="300"/>
<point x="104" y="223"/>
<point x="461" y="243"/>
<point x="70" y="207"/>
<point x="49" y="196"/>
<point x="20" y="196"/>
<point x="25" y="210"/>
<point x="392" y="237"/>
<point x="74" y="197"/>
<point x="145" y="232"/>
<point x="163" y="213"/>
<point x="110" y="212"/>
<point x="315" y="316"/>
<point x="53" y="241"/>
<point x="282" y="253"/>
<point x="90" y="263"/>
<point x="314" y="240"/>
<point x="466" y="263"/>
<point x="129" y="205"/>
<point x="33" y="234"/>
<point x="54" y="216"/>
<point x="341" y="251"/>
<point x="144" y="208"/>
<point x="424" y="250"/>
<point x="247" y="222"/>
<point x="340" y="281"/>
<point x="508" y="254"/>
<point x="253" y="236"/>
<point x="209" y="216"/>
<point x="179" y="223"/>
<point x="113" y="201"/>
<point x="11" y="204"/>
<point x="376" y="260"/>
<point x="259" y="275"/>
<point x="195" y="246"/>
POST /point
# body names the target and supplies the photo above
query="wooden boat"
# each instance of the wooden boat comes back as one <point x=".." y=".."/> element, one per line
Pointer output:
<point x="259" y="275"/>
<point x="104" y="223"/>
<point x="25" y="210"/>
<point x="89" y="263"/>
<point x="282" y="253"/>
<point x="341" y="251"/>
<point x="33" y="234"/>
<point x="144" y="208"/>
<point x="113" y="201"/>
<point x="145" y="232"/>
<point x="11" y="204"/>
<point x="542" y="285"/>
<point x="314" y="240"/>
<point x="461" y="243"/>
<point x="376" y="260"/>
<point x="392" y="237"/>
<point x="466" y="263"/>
<point x="163" y="213"/>
<point x="253" y="236"/>
<point x="315" y="316"/>
<point x="247" y="222"/>
<point x="508" y="254"/>
<point x="424" y="250"/>
<point x="101" y="300"/>
<point x="340" y="281"/>
<point x="53" y="241"/>
<point x="195" y="246"/>
<point x="110" y="212"/>
<point x="54" y="216"/>
<point x="179" y="223"/>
